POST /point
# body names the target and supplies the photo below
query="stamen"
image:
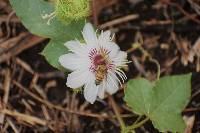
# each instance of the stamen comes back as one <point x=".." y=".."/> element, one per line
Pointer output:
<point x="123" y="74"/>
<point x="110" y="66"/>
<point x="120" y="75"/>
<point x="96" y="31"/>
<point x="116" y="78"/>
<point x="124" y="62"/>
<point x="111" y="38"/>
<point x="122" y="65"/>
<point x="93" y="53"/>
<point x="101" y="31"/>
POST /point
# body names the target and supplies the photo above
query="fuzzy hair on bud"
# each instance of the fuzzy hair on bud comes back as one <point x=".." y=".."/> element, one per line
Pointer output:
<point x="69" y="10"/>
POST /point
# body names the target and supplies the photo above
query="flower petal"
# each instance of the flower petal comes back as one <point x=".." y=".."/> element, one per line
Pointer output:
<point x="73" y="62"/>
<point x="104" y="37"/>
<point x="76" y="47"/>
<point x="90" y="92"/>
<point x="120" y="59"/>
<point x="89" y="35"/>
<point x="78" y="78"/>
<point x="113" y="48"/>
<point x="112" y="83"/>
<point x="101" y="90"/>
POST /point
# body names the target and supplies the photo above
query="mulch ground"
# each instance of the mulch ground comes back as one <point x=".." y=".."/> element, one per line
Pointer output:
<point x="33" y="95"/>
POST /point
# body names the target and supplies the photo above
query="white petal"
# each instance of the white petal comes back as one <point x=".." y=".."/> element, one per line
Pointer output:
<point x="89" y="35"/>
<point x="112" y="84"/>
<point x="113" y="48"/>
<point x="78" y="78"/>
<point x="104" y="37"/>
<point x="101" y="90"/>
<point x="76" y="47"/>
<point x="120" y="58"/>
<point x="73" y="62"/>
<point x="90" y="92"/>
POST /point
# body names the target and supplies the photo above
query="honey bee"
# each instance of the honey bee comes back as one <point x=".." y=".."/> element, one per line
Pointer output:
<point x="100" y="73"/>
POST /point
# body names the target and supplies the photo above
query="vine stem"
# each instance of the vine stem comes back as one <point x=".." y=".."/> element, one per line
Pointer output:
<point x="116" y="110"/>
<point x="152" y="60"/>
<point x="138" y="119"/>
<point x="158" y="67"/>
<point x="147" y="55"/>
<point x="138" y="124"/>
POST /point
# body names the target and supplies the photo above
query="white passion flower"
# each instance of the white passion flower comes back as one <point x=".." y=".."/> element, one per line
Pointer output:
<point x="95" y="64"/>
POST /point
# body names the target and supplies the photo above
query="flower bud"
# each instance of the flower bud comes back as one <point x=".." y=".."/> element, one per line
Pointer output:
<point x="69" y="10"/>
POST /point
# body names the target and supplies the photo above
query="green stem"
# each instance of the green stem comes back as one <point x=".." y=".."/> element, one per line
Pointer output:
<point x="146" y="54"/>
<point x="158" y="67"/>
<point x="138" y="124"/>
<point x="137" y="119"/>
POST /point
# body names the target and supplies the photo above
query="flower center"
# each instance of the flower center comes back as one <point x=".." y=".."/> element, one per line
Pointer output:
<point x="99" y="57"/>
<point x="100" y="63"/>
<point x="99" y="60"/>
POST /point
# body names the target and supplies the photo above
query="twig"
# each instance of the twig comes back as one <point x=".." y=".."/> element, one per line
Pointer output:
<point x="24" y="65"/>
<point x="25" y="43"/>
<point x="7" y="24"/>
<point x="34" y="80"/>
<point x="6" y="87"/>
<point x="195" y="6"/>
<point x="12" y="125"/>
<point x="181" y="10"/>
<point x="27" y="118"/>
<point x="191" y="110"/>
<point x="4" y="18"/>
<point x="94" y="13"/>
<point x="157" y="22"/>
<point x="27" y="105"/>
<point x="195" y="93"/>
<point x="119" y="21"/>
<point x="45" y="112"/>
<point x="55" y="74"/>
<point x="3" y="129"/>
<point x="116" y="110"/>
<point x="39" y="91"/>
<point x="12" y="42"/>
<point x="50" y="105"/>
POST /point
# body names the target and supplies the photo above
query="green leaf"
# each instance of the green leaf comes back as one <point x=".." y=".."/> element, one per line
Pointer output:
<point x="138" y="94"/>
<point x="53" y="51"/>
<point x="31" y="11"/>
<point x="162" y="101"/>
<point x="172" y="95"/>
